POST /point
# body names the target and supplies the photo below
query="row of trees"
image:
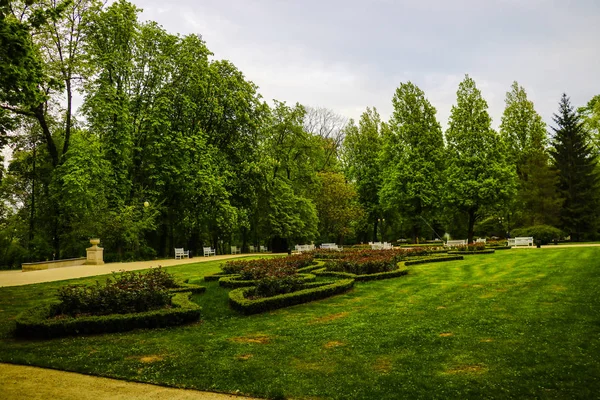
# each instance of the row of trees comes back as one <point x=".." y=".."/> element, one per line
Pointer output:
<point x="173" y="148"/>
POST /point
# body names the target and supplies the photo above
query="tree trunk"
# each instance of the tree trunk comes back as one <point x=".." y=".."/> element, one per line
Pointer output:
<point x="472" y="218"/>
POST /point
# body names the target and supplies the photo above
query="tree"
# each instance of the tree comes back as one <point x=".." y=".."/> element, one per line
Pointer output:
<point x="478" y="178"/>
<point x="525" y="139"/>
<point x="576" y="164"/>
<point x="362" y="147"/>
<point x="337" y="207"/>
<point x="328" y="126"/>
<point x="590" y="114"/>
<point x="413" y="155"/>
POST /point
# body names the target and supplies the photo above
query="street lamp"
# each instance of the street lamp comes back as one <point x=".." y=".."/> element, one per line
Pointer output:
<point x="381" y="220"/>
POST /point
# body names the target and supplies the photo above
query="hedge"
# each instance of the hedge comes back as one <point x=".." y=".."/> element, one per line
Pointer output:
<point x="489" y="251"/>
<point x="432" y="260"/>
<point x="214" y="277"/>
<point x="234" y="281"/>
<point x="36" y="324"/>
<point x="239" y="302"/>
<point x="362" y="278"/>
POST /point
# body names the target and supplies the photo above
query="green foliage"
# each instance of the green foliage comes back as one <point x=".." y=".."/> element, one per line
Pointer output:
<point x="478" y="178"/>
<point x="578" y="177"/>
<point x="362" y="146"/>
<point x="545" y="233"/>
<point x="525" y="139"/>
<point x="38" y="323"/>
<point x="413" y="155"/>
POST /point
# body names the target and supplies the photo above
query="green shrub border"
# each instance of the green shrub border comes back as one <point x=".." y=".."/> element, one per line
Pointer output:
<point x="239" y="302"/>
<point x="34" y="323"/>
<point x="185" y="286"/>
<point x="433" y="260"/>
<point x="234" y="281"/>
<point x="488" y="251"/>
<point x="214" y="277"/>
<point x="362" y="278"/>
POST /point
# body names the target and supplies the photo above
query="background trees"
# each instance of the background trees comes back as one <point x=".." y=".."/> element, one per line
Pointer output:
<point x="164" y="123"/>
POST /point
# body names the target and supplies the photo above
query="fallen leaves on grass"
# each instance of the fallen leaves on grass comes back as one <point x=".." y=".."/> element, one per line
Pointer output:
<point x="334" y="343"/>
<point x="473" y="369"/>
<point x="257" y="339"/>
<point x="383" y="365"/>
<point x="328" y="318"/>
<point x="446" y="334"/>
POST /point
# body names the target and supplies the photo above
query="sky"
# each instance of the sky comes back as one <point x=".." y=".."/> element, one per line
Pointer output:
<point x="348" y="55"/>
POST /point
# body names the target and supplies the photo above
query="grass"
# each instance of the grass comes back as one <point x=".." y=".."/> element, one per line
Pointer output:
<point x="514" y="324"/>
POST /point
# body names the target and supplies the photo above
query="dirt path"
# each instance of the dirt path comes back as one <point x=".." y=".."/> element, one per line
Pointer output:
<point x="33" y="383"/>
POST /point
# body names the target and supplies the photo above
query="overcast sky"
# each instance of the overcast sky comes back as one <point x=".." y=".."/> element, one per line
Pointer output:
<point x="346" y="55"/>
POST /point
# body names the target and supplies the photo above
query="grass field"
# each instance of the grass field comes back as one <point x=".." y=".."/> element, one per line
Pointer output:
<point x="515" y="324"/>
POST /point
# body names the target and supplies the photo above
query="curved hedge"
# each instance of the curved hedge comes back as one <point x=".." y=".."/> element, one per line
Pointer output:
<point x="433" y="260"/>
<point x="214" y="277"/>
<point x="234" y="281"/>
<point x="185" y="286"/>
<point x="362" y="278"/>
<point x="36" y="324"/>
<point x="239" y="302"/>
<point x="489" y="251"/>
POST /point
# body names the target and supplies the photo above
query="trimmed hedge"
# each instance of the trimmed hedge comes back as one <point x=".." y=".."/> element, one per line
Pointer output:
<point x="185" y="286"/>
<point x="214" y="277"/>
<point x="489" y="251"/>
<point x="234" y="281"/>
<point x="362" y="278"/>
<point x="35" y="323"/>
<point x="310" y="268"/>
<point x="432" y="260"/>
<point x="239" y="302"/>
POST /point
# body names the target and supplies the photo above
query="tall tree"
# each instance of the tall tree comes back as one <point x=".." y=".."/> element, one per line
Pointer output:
<point x="573" y="157"/>
<point x="525" y="139"/>
<point x="362" y="147"/>
<point x="478" y="178"/>
<point x="413" y="155"/>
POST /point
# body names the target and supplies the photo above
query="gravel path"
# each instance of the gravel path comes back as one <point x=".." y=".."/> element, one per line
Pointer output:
<point x="33" y="383"/>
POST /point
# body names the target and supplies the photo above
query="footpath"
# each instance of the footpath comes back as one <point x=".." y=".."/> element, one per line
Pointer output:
<point x="18" y="277"/>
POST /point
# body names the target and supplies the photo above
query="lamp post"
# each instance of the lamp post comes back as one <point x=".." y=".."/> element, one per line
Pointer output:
<point x="382" y="221"/>
<point x="501" y="222"/>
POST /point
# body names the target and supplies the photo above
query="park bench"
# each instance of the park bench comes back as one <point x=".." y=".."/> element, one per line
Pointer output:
<point x="180" y="253"/>
<point x="481" y="240"/>
<point x="454" y="243"/>
<point x="252" y="249"/>
<point x="380" y="246"/>
<point x="235" y="250"/>
<point x="263" y="249"/>
<point x="520" y="241"/>
<point x="209" y="251"/>
<point x="330" y="246"/>
<point x="300" y="248"/>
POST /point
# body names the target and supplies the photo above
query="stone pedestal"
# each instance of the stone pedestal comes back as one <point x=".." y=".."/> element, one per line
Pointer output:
<point x="95" y="254"/>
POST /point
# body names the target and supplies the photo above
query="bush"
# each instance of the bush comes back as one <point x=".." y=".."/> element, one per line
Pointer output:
<point x="38" y="323"/>
<point x="362" y="278"/>
<point x="236" y="281"/>
<point x="545" y="233"/>
<point x="126" y="292"/>
<point x="238" y="298"/>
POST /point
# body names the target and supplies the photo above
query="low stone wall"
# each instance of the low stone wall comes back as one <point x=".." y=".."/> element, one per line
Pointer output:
<point x="36" y="266"/>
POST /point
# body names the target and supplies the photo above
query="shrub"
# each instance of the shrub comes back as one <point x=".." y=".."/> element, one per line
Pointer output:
<point x="364" y="262"/>
<point x="37" y="323"/>
<point x="545" y="233"/>
<point x="126" y="292"/>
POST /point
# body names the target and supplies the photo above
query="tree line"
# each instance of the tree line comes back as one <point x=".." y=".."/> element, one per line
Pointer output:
<point x="173" y="148"/>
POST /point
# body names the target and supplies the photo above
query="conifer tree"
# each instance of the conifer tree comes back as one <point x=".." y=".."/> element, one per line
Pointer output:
<point x="574" y="160"/>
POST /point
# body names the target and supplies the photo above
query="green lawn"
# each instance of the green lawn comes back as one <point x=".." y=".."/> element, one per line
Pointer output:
<point x="515" y="324"/>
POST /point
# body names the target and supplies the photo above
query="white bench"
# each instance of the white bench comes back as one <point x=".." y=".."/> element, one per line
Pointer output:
<point x="380" y="246"/>
<point x="330" y="246"/>
<point x="252" y="249"/>
<point x="481" y="240"/>
<point x="235" y="250"/>
<point x="263" y="249"/>
<point x="454" y="243"/>
<point x="209" y="251"/>
<point x="180" y="253"/>
<point x="521" y="241"/>
<point x="300" y="248"/>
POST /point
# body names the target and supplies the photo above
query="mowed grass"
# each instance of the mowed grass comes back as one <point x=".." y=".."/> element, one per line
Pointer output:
<point x="515" y="324"/>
